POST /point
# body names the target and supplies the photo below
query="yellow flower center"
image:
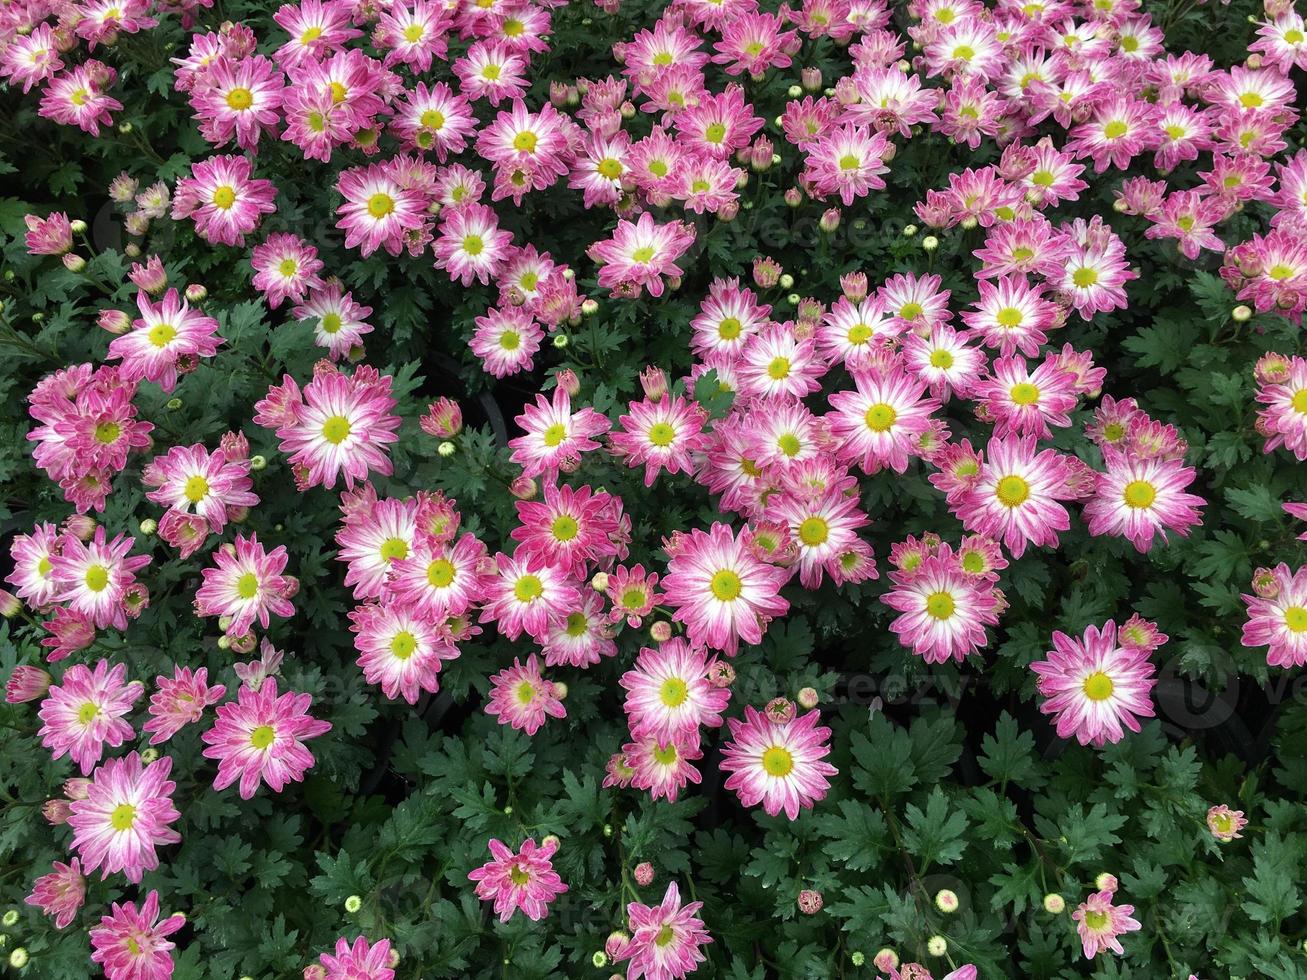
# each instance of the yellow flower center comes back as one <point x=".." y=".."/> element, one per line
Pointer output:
<point x="1024" y="393"/>
<point x="643" y="254"/>
<point x="413" y="33"/>
<point x="880" y="417"/>
<point x="726" y="586"/>
<point x="1084" y="277"/>
<point x="1009" y="317"/>
<point x="240" y="99"/>
<point x="473" y="245"/>
<point x="577" y="625"/>
<point x="777" y="761"/>
<point x="564" y="528"/>
<point x="1012" y="491"/>
<point x="789" y="444"/>
<point x="262" y="736"/>
<point x="440" y="573"/>
<point x="432" y="119"/>
<point x="224" y="196"/>
<point x="402" y="645"/>
<point x="108" y="433"/>
<point x="673" y="692"/>
<point x="609" y="168"/>
<point x="161" y="334"/>
<point x="849" y="162"/>
<point x="1094" y="919"/>
<point x="380" y="205"/>
<point x="554" y="435"/>
<point x="97" y="578"/>
<point x="1139" y="494"/>
<point x="941" y="359"/>
<point x="528" y="588"/>
<point x="525" y="141"/>
<point x="510" y="340"/>
<point x="715" y="133"/>
<point x="814" y="531"/>
<point x="197" y="488"/>
<point x="661" y="434"/>
<point x="393" y="548"/>
<point x="1280" y="272"/>
<point x="336" y="429"/>
<point x="779" y="368"/>
<point x="1295" y="618"/>
<point x="940" y="605"/>
<point x="247" y="586"/>
<point x="1098" y="686"/>
<point x="122" y="817"/>
<point x="88" y="712"/>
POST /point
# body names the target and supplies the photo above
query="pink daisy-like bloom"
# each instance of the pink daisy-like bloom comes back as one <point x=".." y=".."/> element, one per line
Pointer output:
<point x="51" y="235"/>
<point x="521" y="698"/>
<point x="847" y="161"/>
<point x="378" y="210"/>
<point x="523" y="594"/>
<point x="1025" y="401"/>
<point x="1279" y="621"/>
<point x="77" y="97"/>
<point x="944" y="610"/>
<point x="360" y="961"/>
<point x="285" y="267"/>
<point x="524" y="880"/>
<point x="1016" y="497"/>
<point x="721" y="591"/>
<point x="1225" y="824"/>
<point x="668" y="693"/>
<point x="1099" y="923"/>
<point x="555" y="435"/>
<point x="822" y="527"/>
<point x="414" y="35"/>
<point x="1283" y="420"/>
<point x="568" y="529"/>
<point x="371" y="540"/>
<point x="877" y="423"/>
<point x="260" y="739"/>
<point x="778" y="764"/>
<point x="315" y="28"/>
<point x="33" y="571"/>
<point x="339" y="323"/>
<point x="342" y="428"/>
<point x="663" y="769"/>
<point x="1095" y="688"/>
<point x="399" y="650"/>
<point x="125" y="816"/>
<point x="223" y="199"/>
<point x="84" y="712"/>
<point x="639" y="254"/>
<point x="31" y="59"/>
<point x="581" y="637"/>
<point x="434" y="119"/>
<point x="180" y="701"/>
<point x="191" y="479"/>
<point x="60" y="893"/>
<point x="133" y="945"/>
<point x="660" y="435"/>
<point x="1140" y="497"/>
<point x="94" y="578"/>
<point x="633" y="594"/>
<point x="439" y="581"/>
<point x="666" y="939"/>
<point x="506" y="340"/>
<point x="1013" y="316"/>
<point x="238" y="98"/>
<point x="777" y="363"/>
<point x="471" y="245"/>
<point x="247" y="584"/>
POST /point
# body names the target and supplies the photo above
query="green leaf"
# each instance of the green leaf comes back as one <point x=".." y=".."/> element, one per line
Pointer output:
<point x="933" y="834"/>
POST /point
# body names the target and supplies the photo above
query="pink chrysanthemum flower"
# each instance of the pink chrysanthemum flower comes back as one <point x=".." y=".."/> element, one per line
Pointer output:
<point x="580" y="636"/>
<point x="360" y="961"/>
<point x="378" y="210"/>
<point x="341" y="428"/>
<point x="285" y="267"/>
<point x="663" y="769"/>
<point x="247" y="584"/>
<point x="567" y="530"/>
<point x="555" y="435"/>
<point x="51" y="235"/>
<point x="238" y="98"/>
<point x="84" y="712"/>
<point x="521" y="698"/>
<point x="134" y="945"/>
<point x="777" y="363"/>
<point x="1025" y="401"/>
<point x="93" y="578"/>
<point x="778" y="764"/>
<point x="1094" y="687"/>
<point x="398" y="650"/>
<point x="1280" y="621"/>
<point x="1016" y="497"/>
<point x="77" y="97"/>
<point x="1225" y="824"/>
<point x="668" y="693"/>
<point x="524" y="880"/>
<point x="471" y="245"/>
<point x="721" y="591"/>
<point x="223" y="199"/>
<point x="26" y="683"/>
<point x="847" y="161"/>
<point x="372" y="540"/>
<point x="31" y="59"/>
<point x="439" y="581"/>
<point x="1099" y="923"/>
<point x="660" y="435"/>
<point x="180" y="701"/>
<point x="315" y="28"/>
<point x="666" y="940"/>
<point x="191" y="479"/>
<point x="414" y="35"/>
<point x="944" y="610"/>
<point x="125" y="816"/>
<point x="1138" y="498"/>
<point x="260" y="739"/>
<point x="877" y="423"/>
<point x="33" y="571"/>
<point x="60" y="893"/>
<point x="639" y="254"/>
<point x="633" y="594"/>
<point x="506" y="341"/>
<point x="339" y="323"/>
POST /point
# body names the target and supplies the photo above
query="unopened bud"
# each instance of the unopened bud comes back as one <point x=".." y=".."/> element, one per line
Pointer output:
<point x="1054" y="904"/>
<point x="446" y="449"/>
<point x="353" y="904"/>
<point x="936" y="945"/>
<point x="149" y="526"/>
<point x="930" y="243"/>
<point x="74" y="262"/>
<point x="1241" y="313"/>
